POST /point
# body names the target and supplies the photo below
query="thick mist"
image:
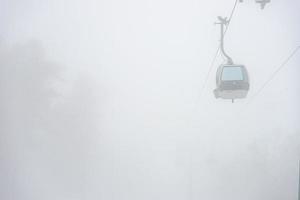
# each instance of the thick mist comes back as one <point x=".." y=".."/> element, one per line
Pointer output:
<point x="109" y="100"/>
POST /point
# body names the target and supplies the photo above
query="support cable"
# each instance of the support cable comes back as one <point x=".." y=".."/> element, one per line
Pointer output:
<point x="275" y="73"/>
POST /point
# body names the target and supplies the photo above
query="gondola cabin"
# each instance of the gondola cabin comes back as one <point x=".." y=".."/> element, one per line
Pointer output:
<point x="232" y="82"/>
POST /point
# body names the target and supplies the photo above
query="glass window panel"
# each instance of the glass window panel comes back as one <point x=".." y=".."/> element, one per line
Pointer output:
<point x="232" y="73"/>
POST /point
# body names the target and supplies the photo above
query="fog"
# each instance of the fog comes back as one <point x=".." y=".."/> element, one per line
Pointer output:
<point x="113" y="100"/>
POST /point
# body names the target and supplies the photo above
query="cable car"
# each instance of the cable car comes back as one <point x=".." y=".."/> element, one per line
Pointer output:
<point x="262" y="3"/>
<point x="231" y="79"/>
<point x="232" y="82"/>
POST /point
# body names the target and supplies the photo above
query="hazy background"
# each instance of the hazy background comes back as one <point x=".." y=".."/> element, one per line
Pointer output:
<point x="103" y="99"/>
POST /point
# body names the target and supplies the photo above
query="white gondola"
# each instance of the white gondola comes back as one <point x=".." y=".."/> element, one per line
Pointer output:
<point x="232" y="81"/>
